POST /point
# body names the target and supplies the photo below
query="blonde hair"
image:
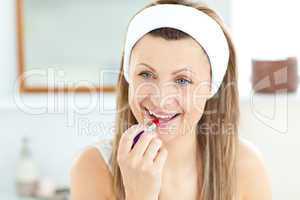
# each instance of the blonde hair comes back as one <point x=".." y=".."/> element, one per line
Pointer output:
<point x="216" y="147"/>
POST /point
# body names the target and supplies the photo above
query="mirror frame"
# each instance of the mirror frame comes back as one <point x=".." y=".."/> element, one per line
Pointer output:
<point x="23" y="87"/>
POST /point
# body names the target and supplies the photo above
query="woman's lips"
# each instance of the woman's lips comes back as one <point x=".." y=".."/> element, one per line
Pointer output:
<point x="164" y="120"/>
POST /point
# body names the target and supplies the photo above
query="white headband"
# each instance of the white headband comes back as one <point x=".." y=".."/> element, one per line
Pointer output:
<point x="190" y="20"/>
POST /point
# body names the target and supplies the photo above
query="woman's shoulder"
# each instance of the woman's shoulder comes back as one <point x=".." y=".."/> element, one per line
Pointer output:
<point x="90" y="166"/>
<point x="253" y="178"/>
<point x="100" y="149"/>
<point x="104" y="147"/>
<point x="247" y="150"/>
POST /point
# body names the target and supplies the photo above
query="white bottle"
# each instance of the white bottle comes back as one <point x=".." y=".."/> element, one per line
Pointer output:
<point x="27" y="174"/>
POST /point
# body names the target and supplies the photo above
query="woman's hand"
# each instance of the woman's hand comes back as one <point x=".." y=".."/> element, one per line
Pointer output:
<point x="141" y="167"/>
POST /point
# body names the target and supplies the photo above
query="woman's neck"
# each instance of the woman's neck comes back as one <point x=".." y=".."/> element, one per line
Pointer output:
<point x="182" y="154"/>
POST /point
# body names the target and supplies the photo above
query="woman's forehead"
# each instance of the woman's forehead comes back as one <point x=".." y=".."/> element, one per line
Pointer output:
<point x="157" y="52"/>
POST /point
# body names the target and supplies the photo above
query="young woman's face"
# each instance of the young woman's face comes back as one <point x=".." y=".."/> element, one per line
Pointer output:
<point x="169" y="81"/>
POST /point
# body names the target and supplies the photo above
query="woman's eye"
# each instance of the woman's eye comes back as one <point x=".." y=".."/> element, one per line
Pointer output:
<point x="146" y="74"/>
<point x="180" y="81"/>
<point x="183" y="81"/>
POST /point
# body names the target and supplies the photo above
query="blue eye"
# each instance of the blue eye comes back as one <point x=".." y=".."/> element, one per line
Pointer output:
<point x="183" y="81"/>
<point x="148" y="75"/>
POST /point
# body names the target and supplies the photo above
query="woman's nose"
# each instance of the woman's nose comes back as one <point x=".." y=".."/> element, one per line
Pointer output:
<point x="166" y="96"/>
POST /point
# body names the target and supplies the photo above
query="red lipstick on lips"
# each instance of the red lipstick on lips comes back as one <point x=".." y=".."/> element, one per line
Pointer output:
<point x="150" y="126"/>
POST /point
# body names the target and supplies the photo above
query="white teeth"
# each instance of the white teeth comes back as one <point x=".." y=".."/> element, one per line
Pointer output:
<point x="162" y="116"/>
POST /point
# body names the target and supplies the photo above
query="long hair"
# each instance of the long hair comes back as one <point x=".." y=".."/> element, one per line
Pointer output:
<point x="218" y="145"/>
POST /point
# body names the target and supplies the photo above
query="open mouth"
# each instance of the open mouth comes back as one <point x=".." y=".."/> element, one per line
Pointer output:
<point x="163" y="119"/>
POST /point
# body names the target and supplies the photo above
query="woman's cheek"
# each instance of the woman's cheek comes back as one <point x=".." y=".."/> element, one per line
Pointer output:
<point x="195" y="105"/>
<point x="133" y="102"/>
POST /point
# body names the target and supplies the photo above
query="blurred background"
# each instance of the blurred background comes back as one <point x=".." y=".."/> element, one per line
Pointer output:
<point x="53" y="45"/>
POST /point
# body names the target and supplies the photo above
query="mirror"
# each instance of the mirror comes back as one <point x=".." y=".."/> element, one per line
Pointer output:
<point x="71" y="45"/>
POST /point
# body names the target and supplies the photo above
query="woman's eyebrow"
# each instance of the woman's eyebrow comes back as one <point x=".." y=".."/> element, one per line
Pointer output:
<point x="146" y="65"/>
<point x="181" y="70"/>
<point x="173" y="73"/>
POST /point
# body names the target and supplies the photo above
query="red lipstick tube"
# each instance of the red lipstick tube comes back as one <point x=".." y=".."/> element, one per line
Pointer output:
<point x="150" y="126"/>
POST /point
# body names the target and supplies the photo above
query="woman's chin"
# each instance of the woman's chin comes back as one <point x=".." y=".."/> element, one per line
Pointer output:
<point x="166" y="135"/>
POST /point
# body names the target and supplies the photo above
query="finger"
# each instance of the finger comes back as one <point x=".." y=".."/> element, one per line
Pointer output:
<point x="127" y="137"/>
<point x="152" y="150"/>
<point x="142" y="144"/>
<point x="161" y="158"/>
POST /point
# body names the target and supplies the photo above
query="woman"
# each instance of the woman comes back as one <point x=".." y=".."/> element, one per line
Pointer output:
<point x="177" y="77"/>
